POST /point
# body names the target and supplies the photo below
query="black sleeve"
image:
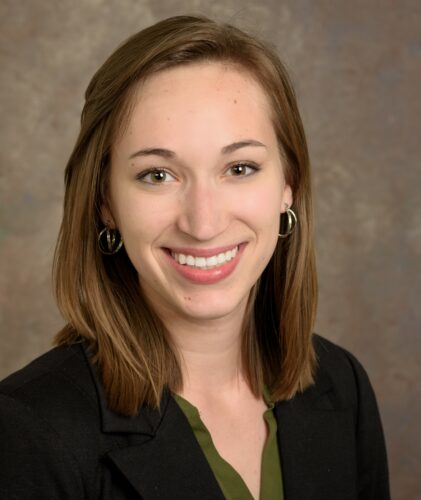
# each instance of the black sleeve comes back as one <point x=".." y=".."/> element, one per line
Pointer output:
<point x="373" y="477"/>
<point x="34" y="463"/>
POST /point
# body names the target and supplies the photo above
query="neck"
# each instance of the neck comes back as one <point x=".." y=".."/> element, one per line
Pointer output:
<point x="210" y="352"/>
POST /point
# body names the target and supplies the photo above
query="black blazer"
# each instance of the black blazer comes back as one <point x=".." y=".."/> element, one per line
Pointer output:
<point x="59" y="441"/>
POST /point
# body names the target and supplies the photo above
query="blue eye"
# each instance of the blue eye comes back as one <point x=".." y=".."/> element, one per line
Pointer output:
<point x="155" y="176"/>
<point x="242" y="170"/>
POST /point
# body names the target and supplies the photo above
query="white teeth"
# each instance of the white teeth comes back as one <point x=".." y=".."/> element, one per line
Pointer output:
<point x="205" y="262"/>
<point x="200" y="262"/>
<point x="211" y="261"/>
<point x="221" y="258"/>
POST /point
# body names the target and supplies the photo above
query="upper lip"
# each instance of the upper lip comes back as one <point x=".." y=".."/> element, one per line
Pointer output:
<point x="202" y="252"/>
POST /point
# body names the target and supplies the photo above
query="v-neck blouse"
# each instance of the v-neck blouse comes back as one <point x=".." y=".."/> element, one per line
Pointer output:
<point x="229" y="480"/>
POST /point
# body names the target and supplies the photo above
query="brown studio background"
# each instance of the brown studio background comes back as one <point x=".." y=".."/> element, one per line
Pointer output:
<point x="355" y="66"/>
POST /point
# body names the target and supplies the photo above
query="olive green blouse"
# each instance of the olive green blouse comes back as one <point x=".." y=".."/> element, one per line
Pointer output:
<point x="230" y="482"/>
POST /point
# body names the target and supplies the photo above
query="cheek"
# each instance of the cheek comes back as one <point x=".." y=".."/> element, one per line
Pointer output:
<point x="260" y="206"/>
<point x="260" y="210"/>
<point x="141" y="217"/>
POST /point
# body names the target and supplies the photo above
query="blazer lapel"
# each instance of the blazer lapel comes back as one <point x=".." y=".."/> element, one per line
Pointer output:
<point x="169" y="465"/>
<point x="162" y="459"/>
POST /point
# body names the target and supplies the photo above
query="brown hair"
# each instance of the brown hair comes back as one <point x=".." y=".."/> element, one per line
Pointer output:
<point x="99" y="295"/>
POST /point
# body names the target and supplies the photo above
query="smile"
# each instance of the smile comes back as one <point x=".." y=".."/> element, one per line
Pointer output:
<point x="204" y="267"/>
<point x="210" y="262"/>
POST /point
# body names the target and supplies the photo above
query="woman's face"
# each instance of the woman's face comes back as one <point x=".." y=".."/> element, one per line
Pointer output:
<point x="197" y="189"/>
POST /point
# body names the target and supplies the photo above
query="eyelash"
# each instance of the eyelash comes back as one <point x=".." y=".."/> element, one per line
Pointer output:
<point x="142" y="175"/>
<point x="255" y="168"/>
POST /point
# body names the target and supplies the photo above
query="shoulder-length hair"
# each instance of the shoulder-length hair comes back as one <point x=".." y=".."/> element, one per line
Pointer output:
<point x="100" y="297"/>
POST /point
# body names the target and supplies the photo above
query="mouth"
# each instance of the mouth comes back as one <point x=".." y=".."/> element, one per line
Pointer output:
<point x="217" y="259"/>
<point x="205" y="266"/>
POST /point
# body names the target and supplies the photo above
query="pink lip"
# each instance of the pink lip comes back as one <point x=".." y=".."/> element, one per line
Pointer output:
<point x="205" y="276"/>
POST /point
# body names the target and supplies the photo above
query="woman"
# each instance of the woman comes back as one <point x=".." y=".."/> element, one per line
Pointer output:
<point x="185" y="271"/>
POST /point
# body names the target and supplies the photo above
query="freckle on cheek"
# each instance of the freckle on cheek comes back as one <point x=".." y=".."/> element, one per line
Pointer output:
<point x="187" y="298"/>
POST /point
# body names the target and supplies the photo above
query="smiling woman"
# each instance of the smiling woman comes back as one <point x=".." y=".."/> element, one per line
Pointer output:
<point x="188" y="367"/>
<point x="189" y="187"/>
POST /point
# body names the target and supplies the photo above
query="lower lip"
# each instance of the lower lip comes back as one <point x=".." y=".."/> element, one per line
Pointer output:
<point x="206" y="276"/>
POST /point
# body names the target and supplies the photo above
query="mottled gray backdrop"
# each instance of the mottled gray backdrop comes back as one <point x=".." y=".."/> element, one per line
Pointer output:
<point x="356" y="67"/>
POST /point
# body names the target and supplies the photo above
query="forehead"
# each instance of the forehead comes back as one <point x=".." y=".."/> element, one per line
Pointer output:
<point x="217" y="77"/>
<point x="200" y="99"/>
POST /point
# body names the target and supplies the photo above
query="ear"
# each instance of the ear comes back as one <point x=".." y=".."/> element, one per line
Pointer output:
<point x="287" y="198"/>
<point x="106" y="216"/>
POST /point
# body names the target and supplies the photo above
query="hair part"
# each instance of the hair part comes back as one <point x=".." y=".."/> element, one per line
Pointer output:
<point x="100" y="296"/>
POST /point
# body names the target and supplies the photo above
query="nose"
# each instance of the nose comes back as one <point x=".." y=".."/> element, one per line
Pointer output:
<point x="204" y="211"/>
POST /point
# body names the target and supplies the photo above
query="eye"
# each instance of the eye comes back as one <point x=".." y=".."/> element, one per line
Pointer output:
<point x="242" y="170"/>
<point x="155" y="176"/>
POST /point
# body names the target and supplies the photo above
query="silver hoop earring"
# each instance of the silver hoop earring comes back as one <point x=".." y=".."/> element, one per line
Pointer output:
<point x="111" y="245"/>
<point x="292" y="222"/>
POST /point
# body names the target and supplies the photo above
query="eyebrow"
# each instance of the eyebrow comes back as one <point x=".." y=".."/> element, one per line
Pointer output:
<point x="168" y="154"/>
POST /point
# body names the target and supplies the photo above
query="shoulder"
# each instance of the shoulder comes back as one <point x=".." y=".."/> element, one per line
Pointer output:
<point x="47" y="363"/>
<point x="52" y="383"/>
<point x="346" y="385"/>
<point x="49" y="424"/>
<point x="55" y="391"/>
<point x="341" y="370"/>
<point x="332" y="356"/>
<point x="348" y="381"/>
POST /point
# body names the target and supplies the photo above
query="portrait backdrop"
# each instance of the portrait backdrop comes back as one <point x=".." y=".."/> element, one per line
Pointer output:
<point x="356" y="70"/>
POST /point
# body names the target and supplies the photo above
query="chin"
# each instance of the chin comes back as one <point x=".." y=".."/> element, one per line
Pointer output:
<point x="212" y="310"/>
